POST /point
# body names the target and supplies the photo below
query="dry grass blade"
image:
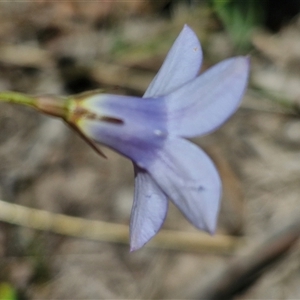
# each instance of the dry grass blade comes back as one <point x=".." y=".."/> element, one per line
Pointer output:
<point x="111" y="232"/>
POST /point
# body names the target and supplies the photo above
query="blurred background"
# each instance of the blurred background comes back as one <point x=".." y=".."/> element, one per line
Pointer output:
<point x="70" y="47"/>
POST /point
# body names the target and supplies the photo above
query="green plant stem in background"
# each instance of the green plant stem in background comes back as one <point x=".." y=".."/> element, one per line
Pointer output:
<point x="285" y="103"/>
<point x="239" y="19"/>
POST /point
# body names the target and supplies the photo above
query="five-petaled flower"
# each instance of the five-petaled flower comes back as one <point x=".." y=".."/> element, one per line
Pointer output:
<point x="151" y="132"/>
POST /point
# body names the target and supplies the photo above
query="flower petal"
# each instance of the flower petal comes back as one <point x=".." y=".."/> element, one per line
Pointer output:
<point x="149" y="210"/>
<point x="203" y="104"/>
<point x="181" y="65"/>
<point x="189" y="178"/>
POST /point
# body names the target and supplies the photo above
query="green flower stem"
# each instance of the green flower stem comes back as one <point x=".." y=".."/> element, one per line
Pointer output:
<point x="50" y="105"/>
<point x="65" y="108"/>
<point x="18" y="98"/>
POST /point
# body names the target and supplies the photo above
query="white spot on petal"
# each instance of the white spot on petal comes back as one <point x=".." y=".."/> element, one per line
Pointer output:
<point x="159" y="132"/>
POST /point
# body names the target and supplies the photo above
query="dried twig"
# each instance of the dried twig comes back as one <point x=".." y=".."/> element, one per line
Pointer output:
<point x="110" y="232"/>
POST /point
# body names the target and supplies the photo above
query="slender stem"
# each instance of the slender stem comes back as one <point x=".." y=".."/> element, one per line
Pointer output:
<point x="115" y="233"/>
<point x="50" y="105"/>
<point x="64" y="108"/>
<point x="18" y="98"/>
<point x="281" y="100"/>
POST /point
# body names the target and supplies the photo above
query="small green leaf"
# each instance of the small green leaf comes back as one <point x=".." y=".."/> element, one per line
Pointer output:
<point x="7" y="291"/>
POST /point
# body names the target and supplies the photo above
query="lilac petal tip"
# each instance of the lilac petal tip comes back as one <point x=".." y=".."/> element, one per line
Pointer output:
<point x="149" y="210"/>
<point x="181" y="65"/>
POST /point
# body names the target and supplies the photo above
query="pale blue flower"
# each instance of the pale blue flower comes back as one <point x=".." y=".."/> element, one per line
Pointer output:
<point x="151" y="132"/>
